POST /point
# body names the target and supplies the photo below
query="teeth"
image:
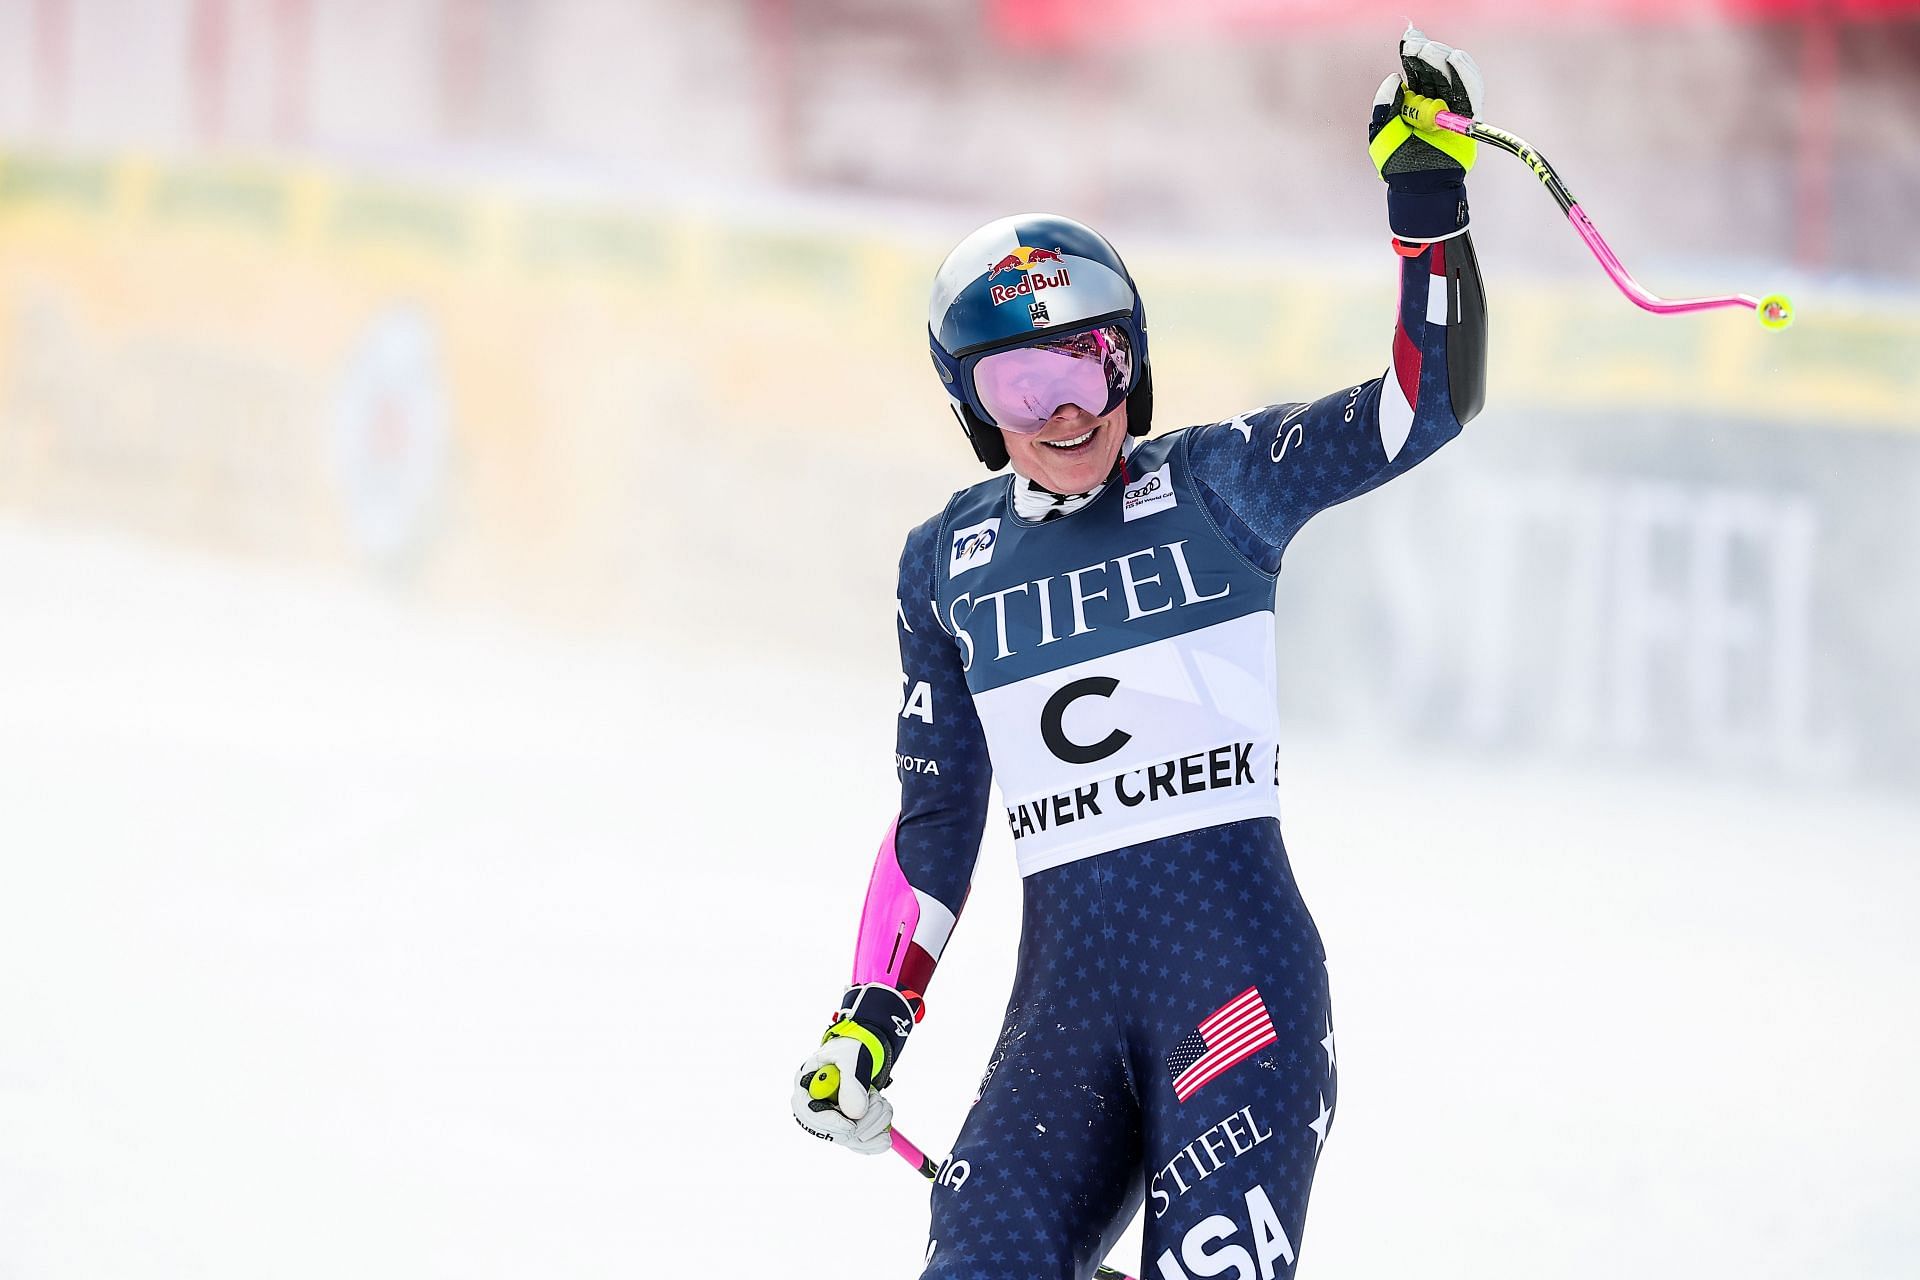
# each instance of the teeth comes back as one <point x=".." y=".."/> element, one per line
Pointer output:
<point x="1074" y="443"/>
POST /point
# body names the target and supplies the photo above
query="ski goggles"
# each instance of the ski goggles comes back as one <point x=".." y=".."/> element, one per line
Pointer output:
<point x="1020" y="389"/>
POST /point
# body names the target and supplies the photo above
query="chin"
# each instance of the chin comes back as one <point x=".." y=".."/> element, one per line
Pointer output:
<point x="1082" y="476"/>
<point x="1076" y="474"/>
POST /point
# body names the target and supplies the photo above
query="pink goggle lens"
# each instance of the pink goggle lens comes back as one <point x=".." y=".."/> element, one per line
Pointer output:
<point x="1023" y="388"/>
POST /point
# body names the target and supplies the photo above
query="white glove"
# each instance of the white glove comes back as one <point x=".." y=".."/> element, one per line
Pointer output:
<point x="1437" y="70"/>
<point x="837" y="1093"/>
<point x="856" y="1118"/>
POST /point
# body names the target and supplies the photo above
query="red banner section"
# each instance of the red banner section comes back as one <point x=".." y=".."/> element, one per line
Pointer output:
<point x="1055" y="24"/>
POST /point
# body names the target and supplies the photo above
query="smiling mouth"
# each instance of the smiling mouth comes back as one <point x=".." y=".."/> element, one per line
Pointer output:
<point x="1077" y="442"/>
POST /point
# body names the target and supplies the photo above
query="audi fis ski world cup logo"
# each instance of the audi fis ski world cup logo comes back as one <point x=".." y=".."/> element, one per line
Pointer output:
<point x="973" y="546"/>
<point x="1150" y="493"/>
<point x="1029" y="278"/>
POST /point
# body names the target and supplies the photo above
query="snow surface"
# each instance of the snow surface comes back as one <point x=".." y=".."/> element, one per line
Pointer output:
<point x="343" y="937"/>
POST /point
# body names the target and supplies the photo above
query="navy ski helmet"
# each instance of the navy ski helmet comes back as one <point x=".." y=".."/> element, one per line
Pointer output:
<point x="1028" y="281"/>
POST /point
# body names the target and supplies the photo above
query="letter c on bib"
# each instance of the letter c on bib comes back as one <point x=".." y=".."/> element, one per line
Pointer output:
<point x="1055" y="711"/>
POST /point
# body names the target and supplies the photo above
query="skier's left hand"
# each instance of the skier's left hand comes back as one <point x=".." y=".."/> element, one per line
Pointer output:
<point x="1425" y="169"/>
<point x="1405" y="155"/>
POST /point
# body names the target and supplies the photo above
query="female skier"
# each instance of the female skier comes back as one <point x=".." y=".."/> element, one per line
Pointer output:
<point x="1096" y="630"/>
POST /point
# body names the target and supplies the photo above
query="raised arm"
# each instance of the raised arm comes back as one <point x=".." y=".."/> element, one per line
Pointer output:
<point x="1277" y="467"/>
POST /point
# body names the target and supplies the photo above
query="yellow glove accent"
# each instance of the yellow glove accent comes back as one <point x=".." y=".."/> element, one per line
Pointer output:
<point x="1457" y="145"/>
<point x="1387" y="141"/>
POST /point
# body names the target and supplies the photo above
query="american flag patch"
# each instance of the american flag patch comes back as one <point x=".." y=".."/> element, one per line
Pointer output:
<point x="1230" y="1034"/>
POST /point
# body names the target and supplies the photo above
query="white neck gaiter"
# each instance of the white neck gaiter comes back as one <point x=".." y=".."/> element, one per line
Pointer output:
<point x="1035" y="502"/>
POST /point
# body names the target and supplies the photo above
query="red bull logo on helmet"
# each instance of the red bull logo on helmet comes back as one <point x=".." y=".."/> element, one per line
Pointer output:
<point x="1027" y="262"/>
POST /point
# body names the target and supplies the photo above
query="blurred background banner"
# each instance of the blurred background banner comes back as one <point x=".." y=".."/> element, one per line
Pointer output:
<point x="463" y="378"/>
<point x="485" y="429"/>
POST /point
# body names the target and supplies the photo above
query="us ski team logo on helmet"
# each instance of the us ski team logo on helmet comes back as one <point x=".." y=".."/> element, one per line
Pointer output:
<point x="1031" y="279"/>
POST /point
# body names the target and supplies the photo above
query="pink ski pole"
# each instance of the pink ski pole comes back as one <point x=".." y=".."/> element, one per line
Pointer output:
<point x="1774" y="310"/>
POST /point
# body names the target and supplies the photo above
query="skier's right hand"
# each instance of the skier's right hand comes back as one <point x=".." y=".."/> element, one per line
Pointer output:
<point x="853" y="1063"/>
